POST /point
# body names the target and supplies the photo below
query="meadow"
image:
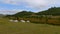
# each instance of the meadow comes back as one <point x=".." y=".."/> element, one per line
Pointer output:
<point x="7" y="27"/>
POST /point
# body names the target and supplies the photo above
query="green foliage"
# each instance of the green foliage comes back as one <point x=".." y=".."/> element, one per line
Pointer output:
<point x="51" y="11"/>
<point x="23" y="14"/>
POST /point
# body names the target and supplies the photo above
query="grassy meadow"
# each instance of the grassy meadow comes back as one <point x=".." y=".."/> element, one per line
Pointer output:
<point x="7" y="27"/>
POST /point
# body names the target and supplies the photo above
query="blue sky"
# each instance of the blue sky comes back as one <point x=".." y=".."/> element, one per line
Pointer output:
<point x="14" y="6"/>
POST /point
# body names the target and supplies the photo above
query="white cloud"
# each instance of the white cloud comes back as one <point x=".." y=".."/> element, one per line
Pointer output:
<point x="9" y="1"/>
<point x="31" y="3"/>
<point x="6" y="11"/>
<point x="37" y="4"/>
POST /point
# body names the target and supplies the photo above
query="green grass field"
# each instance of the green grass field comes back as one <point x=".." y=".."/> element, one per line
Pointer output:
<point x="7" y="27"/>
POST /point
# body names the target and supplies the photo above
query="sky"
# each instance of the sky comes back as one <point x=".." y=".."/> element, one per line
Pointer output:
<point x="14" y="6"/>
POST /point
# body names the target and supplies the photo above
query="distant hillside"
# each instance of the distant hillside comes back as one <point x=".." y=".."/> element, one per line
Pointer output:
<point x="50" y="11"/>
<point x="23" y="13"/>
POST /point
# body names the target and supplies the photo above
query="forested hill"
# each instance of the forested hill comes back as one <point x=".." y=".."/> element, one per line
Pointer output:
<point x="50" y="11"/>
<point x="23" y="13"/>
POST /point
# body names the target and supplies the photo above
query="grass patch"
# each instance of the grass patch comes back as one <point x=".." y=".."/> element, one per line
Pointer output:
<point x="7" y="27"/>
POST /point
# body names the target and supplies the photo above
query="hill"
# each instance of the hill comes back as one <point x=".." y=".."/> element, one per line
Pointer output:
<point x="23" y="14"/>
<point x="51" y="11"/>
<point x="50" y="16"/>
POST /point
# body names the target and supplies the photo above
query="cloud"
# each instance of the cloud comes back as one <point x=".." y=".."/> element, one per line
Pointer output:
<point x="38" y="3"/>
<point x="8" y="11"/>
<point x="35" y="4"/>
<point x="31" y="3"/>
<point x="9" y="1"/>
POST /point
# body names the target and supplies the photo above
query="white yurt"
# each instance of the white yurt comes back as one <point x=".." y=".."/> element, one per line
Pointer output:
<point x="15" y="20"/>
<point x="27" y="21"/>
<point x="22" y="20"/>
